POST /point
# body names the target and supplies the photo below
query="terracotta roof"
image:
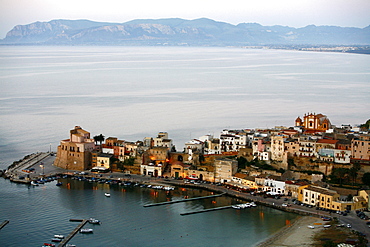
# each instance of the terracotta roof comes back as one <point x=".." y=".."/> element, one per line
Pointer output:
<point x="240" y="175"/>
<point x="322" y="190"/>
<point x="327" y="141"/>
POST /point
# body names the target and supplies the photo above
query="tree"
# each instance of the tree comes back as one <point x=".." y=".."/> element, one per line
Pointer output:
<point x="100" y="138"/>
<point x="353" y="172"/>
<point x="366" y="125"/>
<point x="242" y="162"/>
<point x="366" y="179"/>
<point x="340" y="173"/>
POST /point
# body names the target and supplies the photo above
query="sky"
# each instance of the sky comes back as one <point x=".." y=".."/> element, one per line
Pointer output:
<point x="293" y="13"/>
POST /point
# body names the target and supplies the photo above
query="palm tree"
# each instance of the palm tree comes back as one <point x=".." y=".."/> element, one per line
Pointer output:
<point x="100" y="138"/>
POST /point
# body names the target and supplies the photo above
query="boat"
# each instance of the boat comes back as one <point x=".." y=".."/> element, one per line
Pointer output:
<point x="59" y="236"/>
<point x="56" y="240"/>
<point x="168" y="188"/>
<point x="59" y="184"/>
<point x="86" y="230"/>
<point x="34" y="183"/>
<point x="253" y="204"/>
<point x="107" y="194"/>
<point x="47" y="244"/>
<point x="71" y="245"/>
<point x="235" y="206"/>
<point x="94" y="221"/>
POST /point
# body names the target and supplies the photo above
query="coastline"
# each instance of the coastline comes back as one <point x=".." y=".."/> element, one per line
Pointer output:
<point x="295" y="234"/>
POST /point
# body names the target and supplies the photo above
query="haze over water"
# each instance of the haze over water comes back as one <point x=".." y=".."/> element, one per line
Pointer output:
<point x="134" y="92"/>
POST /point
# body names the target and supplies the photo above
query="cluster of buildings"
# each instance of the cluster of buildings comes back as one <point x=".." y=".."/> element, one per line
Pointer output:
<point x="312" y="144"/>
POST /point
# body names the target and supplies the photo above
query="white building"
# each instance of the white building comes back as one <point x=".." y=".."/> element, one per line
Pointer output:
<point x="232" y="140"/>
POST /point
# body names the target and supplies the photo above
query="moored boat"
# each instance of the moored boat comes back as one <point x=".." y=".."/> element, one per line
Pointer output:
<point x="86" y="230"/>
<point x="56" y="240"/>
<point x="94" y="221"/>
<point x="34" y="183"/>
<point x="107" y="194"/>
<point x="47" y="244"/>
<point x="59" y="236"/>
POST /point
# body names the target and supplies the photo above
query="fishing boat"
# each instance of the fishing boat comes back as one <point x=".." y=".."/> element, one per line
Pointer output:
<point x="107" y="194"/>
<point x="59" y="236"/>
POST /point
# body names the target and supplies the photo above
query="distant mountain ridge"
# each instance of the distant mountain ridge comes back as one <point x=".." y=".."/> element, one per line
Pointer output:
<point x="176" y="31"/>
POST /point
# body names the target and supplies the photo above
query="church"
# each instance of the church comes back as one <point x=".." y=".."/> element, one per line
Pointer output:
<point x="313" y="123"/>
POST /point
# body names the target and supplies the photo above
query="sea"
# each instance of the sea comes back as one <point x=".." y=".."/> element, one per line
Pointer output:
<point x="135" y="92"/>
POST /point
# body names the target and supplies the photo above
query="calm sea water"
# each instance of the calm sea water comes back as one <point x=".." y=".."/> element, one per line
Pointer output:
<point x="36" y="214"/>
<point x="134" y="92"/>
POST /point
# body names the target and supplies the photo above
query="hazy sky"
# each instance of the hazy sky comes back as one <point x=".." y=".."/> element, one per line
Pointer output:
<point x="294" y="13"/>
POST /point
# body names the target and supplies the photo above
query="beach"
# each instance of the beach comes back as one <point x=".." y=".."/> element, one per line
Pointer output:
<point x="297" y="234"/>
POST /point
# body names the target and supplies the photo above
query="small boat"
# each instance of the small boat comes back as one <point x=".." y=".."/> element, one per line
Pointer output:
<point x="59" y="236"/>
<point x="34" y="183"/>
<point x="86" y="230"/>
<point x="56" y="240"/>
<point x="253" y="204"/>
<point x="235" y="206"/>
<point x="47" y="244"/>
<point x="59" y="184"/>
<point x="107" y="194"/>
<point x="94" y="221"/>
<point x="71" y="245"/>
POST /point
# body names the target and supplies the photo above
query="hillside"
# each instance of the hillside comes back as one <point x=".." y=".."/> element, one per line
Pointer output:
<point x="177" y="31"/>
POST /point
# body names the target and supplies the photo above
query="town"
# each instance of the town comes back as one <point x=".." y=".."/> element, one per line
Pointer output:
<point x="318" y="164"/>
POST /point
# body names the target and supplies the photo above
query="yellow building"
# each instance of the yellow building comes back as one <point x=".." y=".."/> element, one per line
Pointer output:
<point x="247" y="182"/>
<point x="103" y="160"/>
<point x="330" y="199"/>
<point x="179" y="169"/>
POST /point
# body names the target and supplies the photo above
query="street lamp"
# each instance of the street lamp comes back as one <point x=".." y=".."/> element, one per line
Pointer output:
<point x="43" y="171"/>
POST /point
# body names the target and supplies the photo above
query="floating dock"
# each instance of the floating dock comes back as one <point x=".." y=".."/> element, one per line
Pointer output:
<point x="70" y="236"/>
<point x="206" y="210"/>
<point x="184" y="200"/>
<point x="5" y="222"/>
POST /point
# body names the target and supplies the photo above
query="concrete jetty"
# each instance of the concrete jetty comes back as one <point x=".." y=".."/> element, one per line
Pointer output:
<point x="70" y="236"/>
<point x="206" y="210"/>
<point x="184" y="200"/>
<point x="5" y="222"/>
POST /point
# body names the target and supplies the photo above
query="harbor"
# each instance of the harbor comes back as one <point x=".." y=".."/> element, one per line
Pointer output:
<point x="70" y="236"/>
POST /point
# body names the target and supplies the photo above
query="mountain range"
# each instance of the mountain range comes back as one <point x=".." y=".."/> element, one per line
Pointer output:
<point x="176" y="31"/>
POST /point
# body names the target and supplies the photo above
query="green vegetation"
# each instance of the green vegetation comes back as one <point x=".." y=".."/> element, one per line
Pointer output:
<point x="346" y="176"/>
<point x="366" y="125"/>
<point x="366" y="178"/>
